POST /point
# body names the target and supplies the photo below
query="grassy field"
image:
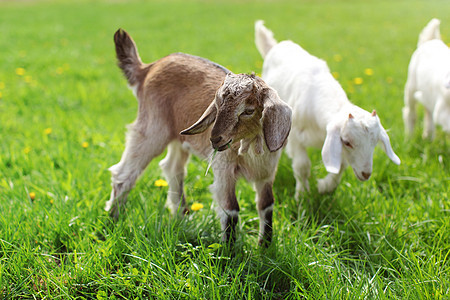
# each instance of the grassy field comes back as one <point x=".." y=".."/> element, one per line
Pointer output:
<point x="63" y="109"/>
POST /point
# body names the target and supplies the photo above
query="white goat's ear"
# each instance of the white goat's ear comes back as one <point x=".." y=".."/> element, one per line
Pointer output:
<point x="276" y="120"/>
<point x="208" y="117"/>
<point x="332" y="149"/>
<point x="384" y="139"/>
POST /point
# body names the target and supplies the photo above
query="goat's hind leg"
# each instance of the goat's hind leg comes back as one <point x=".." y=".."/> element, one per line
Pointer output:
<point x="140" y="149"/>
<point x="174" y="169"/>
<point x="428" y="125"/>
<point x="409" y="110"/>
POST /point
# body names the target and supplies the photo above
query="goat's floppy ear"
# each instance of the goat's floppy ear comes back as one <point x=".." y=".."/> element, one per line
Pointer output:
<point x="384" y="139"/>
<point x="276" y="120"/>
<point x="332" y="149"/>
<point x="208" y="117"/>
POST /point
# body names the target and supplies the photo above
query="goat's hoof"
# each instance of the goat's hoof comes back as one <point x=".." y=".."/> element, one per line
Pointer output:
<point x="265" y="243"/>
<point x="185" y="211"/>
<point x="114" y="214"/>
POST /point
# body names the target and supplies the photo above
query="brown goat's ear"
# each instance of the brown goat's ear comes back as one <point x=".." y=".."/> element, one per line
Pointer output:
<point x="276" y="120"/>
<point x="208" y="117"/>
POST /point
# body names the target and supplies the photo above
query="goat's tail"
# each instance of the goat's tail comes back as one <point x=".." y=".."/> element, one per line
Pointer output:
<point x="127" y="56"/>
<point x="430" y="32"/>
<point x="264" y="39"/>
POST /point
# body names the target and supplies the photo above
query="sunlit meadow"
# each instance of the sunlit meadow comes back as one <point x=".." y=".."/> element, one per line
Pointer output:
<point x="64" y="106"/>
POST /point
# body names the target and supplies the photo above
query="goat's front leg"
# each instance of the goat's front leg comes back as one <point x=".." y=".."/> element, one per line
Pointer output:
<point x="331" y="181"/>
<point x="264" y="202"/>
<point x="173" y="167"/>
<point x="227" y="207"/>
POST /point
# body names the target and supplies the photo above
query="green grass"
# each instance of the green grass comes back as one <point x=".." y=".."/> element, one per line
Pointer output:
<point x="387" y="238"/>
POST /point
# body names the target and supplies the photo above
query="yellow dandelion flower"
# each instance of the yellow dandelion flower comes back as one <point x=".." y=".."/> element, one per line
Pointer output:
<point x="51" y="201"/>
<point x="2" y="85"/>
<point x="27" y="149"/>
<point x="59" y="70"/>
<point x="85" y="145"/>
<point x="28" y="79"/>
<point x="47" y="131"/>
<point x="161" y="182"/>
<point x="368" y="71"/>
<point x="335" y="75"/>
<point x="196" y="206"/>
<point x="1" y="95"/>
<point x="357" y="80"/>
<point x="32" y="195"/>
<point x="337" y="58"/>
<point x="20" y="71"/>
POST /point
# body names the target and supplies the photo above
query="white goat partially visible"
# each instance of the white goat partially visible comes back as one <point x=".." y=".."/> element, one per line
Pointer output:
<point x="322" y="114"/>
<point x="251" y="125"/>
<point x="429" y="82"/>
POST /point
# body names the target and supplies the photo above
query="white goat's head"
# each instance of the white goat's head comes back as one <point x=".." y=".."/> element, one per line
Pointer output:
<point x="245" y="107"/>
<point x="354" y="139"/>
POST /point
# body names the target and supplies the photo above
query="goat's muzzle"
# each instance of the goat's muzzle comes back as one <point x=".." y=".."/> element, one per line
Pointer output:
<point x="365" y="175"/>
<point x="217" y="143"/>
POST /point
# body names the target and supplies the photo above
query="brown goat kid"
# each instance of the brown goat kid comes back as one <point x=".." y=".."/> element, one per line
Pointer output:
<point x="238" y="114"/>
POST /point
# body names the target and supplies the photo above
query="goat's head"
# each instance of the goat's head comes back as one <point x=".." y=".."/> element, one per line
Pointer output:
<point x="244" y="107"/>
<point x="354" y="139"/>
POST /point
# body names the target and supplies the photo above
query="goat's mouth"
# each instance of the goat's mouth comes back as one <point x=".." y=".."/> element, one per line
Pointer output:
<point x="224" y="146"/>
<point x="363" y="176"/>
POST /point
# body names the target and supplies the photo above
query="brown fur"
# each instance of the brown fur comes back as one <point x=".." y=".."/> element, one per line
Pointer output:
<point x="229" y="112"/>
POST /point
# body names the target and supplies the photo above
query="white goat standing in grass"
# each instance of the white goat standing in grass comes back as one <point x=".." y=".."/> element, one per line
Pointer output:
<point x="429" y="82"/>
<point x="250" y="125"/>
<point x="322" y="116"/>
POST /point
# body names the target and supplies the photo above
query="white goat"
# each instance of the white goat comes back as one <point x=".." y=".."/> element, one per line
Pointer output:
<point x="322" y="114"/>
<point x="251" y="125"/>
<point x="429" y="82"/>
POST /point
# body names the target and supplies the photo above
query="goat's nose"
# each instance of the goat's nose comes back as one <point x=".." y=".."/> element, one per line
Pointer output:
<point x="366" y="175"/>
<point x="216" y="139"/>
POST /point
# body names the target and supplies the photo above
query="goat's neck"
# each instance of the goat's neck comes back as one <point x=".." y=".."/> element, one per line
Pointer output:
<point x="257" y="142"/>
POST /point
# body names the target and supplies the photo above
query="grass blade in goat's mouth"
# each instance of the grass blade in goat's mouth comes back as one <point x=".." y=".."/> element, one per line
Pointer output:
<point x="211" y="160"/>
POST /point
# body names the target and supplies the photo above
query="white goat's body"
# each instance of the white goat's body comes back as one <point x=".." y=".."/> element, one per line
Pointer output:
<point x="321" y="113"/>
<point x="251" y="125"/>
<point x="305" y="83"/>
<point x="429" y="82"/>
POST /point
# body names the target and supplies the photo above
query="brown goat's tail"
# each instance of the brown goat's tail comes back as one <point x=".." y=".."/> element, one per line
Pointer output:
<point x="127" y="56"/>
<point x="430" y="32"/>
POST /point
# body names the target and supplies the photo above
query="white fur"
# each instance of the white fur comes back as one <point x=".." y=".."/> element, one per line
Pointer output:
<point x="322" y="114"/>
<point x="429" y="82"/>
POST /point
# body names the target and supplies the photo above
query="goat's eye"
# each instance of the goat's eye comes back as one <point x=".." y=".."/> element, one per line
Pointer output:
<point x="248" y="112"/>
<point x="347" y="143"/>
